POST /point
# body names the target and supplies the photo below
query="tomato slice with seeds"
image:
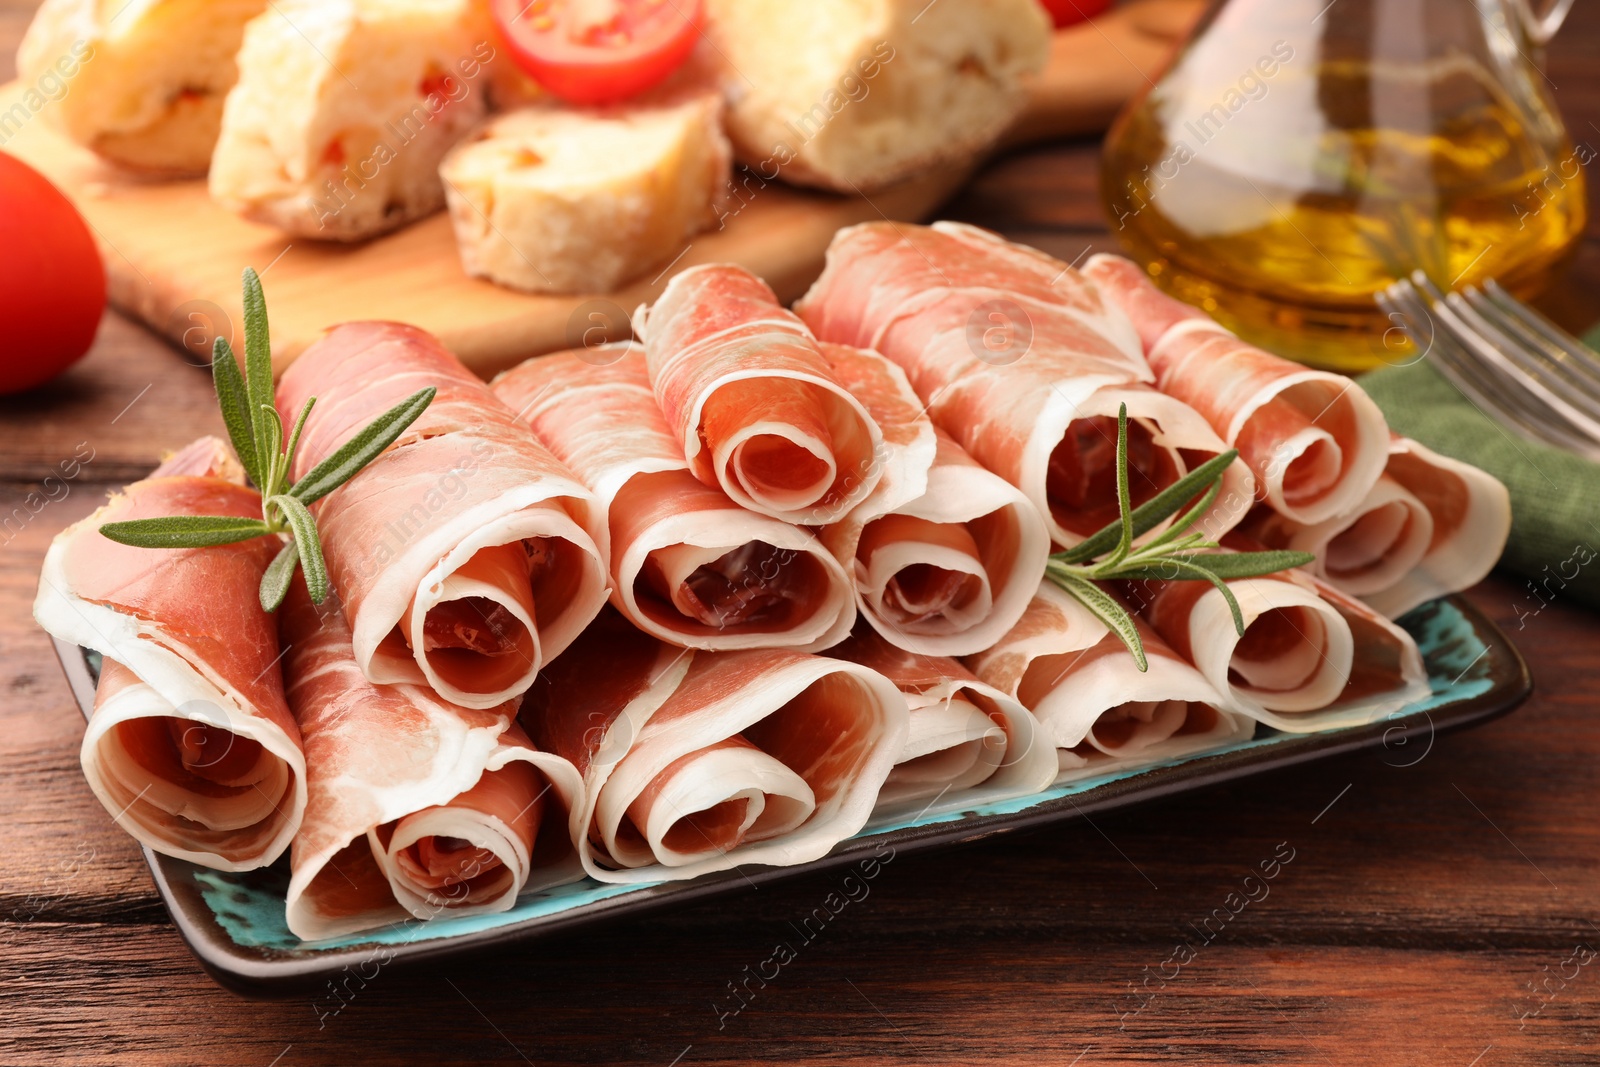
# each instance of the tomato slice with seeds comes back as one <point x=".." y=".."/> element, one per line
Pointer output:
<point x="598" y="51"/>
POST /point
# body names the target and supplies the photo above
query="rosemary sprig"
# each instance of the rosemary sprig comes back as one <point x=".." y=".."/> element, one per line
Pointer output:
<point x="256" y="430"/>
<point x="1176" y="554"/>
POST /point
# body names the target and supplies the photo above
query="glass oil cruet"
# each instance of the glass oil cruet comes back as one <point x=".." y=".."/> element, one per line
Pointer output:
<point x="1299" y="155"/>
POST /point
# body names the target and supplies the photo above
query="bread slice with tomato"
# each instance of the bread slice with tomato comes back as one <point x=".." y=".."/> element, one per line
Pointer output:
<point x="854" y="95"/>
<point x="567" y="200"/>
<point x="343" y="110"/>
<point x="140" y="82"/>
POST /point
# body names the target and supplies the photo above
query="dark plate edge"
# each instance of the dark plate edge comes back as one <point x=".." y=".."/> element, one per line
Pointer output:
<point x="270" y="974"/>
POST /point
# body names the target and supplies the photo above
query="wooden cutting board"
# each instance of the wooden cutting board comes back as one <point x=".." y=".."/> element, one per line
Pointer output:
<point x="174" y="258"/>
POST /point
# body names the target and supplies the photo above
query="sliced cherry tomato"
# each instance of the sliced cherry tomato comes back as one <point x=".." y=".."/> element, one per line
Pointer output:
<point x="52" y="284"/>
<point x="598" y="51"/>
<point x="1070" y="12"/>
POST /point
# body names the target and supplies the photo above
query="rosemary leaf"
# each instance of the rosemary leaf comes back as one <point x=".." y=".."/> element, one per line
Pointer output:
<point x="1124" y="494"/>
<point x="361" y="449"/>
<point x="257" y="357"/>
<point x="1106" y="608"/>
<point x="275" y="582"/>
<point x="234" y="400"/>
<point x="185" y="531"/>
<point x="1232" y="565"/>
<point x="304" y="528"/>
<point x="294" y="436"/>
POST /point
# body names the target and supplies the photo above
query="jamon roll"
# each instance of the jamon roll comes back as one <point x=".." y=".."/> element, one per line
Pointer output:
<point x="748" y="394"/>
<point x="945" y="554"/>
<point x="1471" y="512"/>
<point x="969" y="743"/>
<point x="688" y="565"/>
<point x="1311" y="658"/>
<point x="467" y="556"/>
<point x="1018" y="359"/>
<point x="1096" y="707"/>
<point x="418" y="807"/>
<point x="1431" y="526"/>
<point x="1315" y="442"/>
<point x="701" y="761"/>
<point x="191" y="747"/>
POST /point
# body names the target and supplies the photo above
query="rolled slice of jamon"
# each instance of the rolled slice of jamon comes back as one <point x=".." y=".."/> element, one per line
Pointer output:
<point x="1311" y="658"/>
<point x="688" y="564"/>
<point x="944" y="553"/>
<point x="969" y="743"/>
<point x="1363" y="552"/>
<point x="698" y="761"/>
<point x="191" y="747"/>
<point x="1315" y="441"/>
<point x="467" y="556"/>
<point x="1097" y="709"/>
<point x="418" y="807"/>
<point x="1471" y="512"/>
<point x="1020" y="360"/>
<point x="756" y="408"/>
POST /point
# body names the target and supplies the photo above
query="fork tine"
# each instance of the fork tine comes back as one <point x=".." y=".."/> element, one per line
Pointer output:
<point x="1530" y="357"/>
<point x="1479" y="338"/>
<point x="1582" y="355"/>
<point x="1478" y="383"/>
<point x="1584" y="371"/>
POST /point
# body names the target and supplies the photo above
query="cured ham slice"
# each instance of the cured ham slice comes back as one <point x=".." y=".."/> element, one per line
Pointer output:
<point x="698" y="761"/>
<point x="1315" y="441"/>
<point x="191" y="747"/>
<point x="1022" y="362"/>
<point x="1431" y="526"/>
<point x="1311" y="658"/>
<point x="1097" y="709"/>
<point x="748" y="393"/>
<point x="1471" y="512"/>
<point x="944" y="553"/>
<point x="968" y="744"/>
<point x="467" y="556"/>
<point x="688" y="565"/>
<point x="418" y="807"/>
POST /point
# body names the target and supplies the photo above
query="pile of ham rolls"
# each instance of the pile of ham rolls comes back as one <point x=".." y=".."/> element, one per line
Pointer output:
<point x="732" y="593"/>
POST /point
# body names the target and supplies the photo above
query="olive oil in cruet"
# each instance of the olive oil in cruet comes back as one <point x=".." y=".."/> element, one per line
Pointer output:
<point x="1300" y="155"/>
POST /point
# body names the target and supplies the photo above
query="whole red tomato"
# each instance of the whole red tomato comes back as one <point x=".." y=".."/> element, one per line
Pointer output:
<point x="52" y="284"/>
<point x="1068" y="12"/>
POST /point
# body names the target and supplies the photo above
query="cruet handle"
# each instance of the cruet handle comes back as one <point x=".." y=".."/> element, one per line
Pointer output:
<point x="1540" y="28"/>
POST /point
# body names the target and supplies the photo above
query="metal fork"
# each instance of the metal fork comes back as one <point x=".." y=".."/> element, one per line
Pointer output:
<point x="1505" y="357"/>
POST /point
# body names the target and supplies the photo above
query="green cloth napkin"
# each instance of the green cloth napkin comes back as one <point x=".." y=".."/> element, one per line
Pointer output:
<point x="1555" y="496"/>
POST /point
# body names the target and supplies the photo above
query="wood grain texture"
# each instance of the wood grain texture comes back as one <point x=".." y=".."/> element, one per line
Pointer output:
<point x="1406" y="930"/>
<point x="174" y="257"/>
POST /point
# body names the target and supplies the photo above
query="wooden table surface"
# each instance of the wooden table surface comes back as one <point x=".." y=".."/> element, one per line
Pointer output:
<point x="1441" y="913"/>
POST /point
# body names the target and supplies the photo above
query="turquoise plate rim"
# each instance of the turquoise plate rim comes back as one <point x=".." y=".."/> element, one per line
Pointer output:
<point x="1477" y="675"/>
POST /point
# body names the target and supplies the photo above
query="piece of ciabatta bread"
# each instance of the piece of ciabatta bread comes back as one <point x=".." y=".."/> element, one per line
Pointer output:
<point x="561" y="200"/>
<point x="142" y="81"/>
<point x="343" y="110"/>
<point x="856" y="94"/>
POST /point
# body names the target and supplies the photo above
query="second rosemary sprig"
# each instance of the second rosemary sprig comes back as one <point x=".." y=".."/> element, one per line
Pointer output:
<point x="1176" y="554"/>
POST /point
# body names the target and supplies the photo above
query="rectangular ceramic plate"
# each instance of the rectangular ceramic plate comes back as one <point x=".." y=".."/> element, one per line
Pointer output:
<point x="235" y="925"/>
